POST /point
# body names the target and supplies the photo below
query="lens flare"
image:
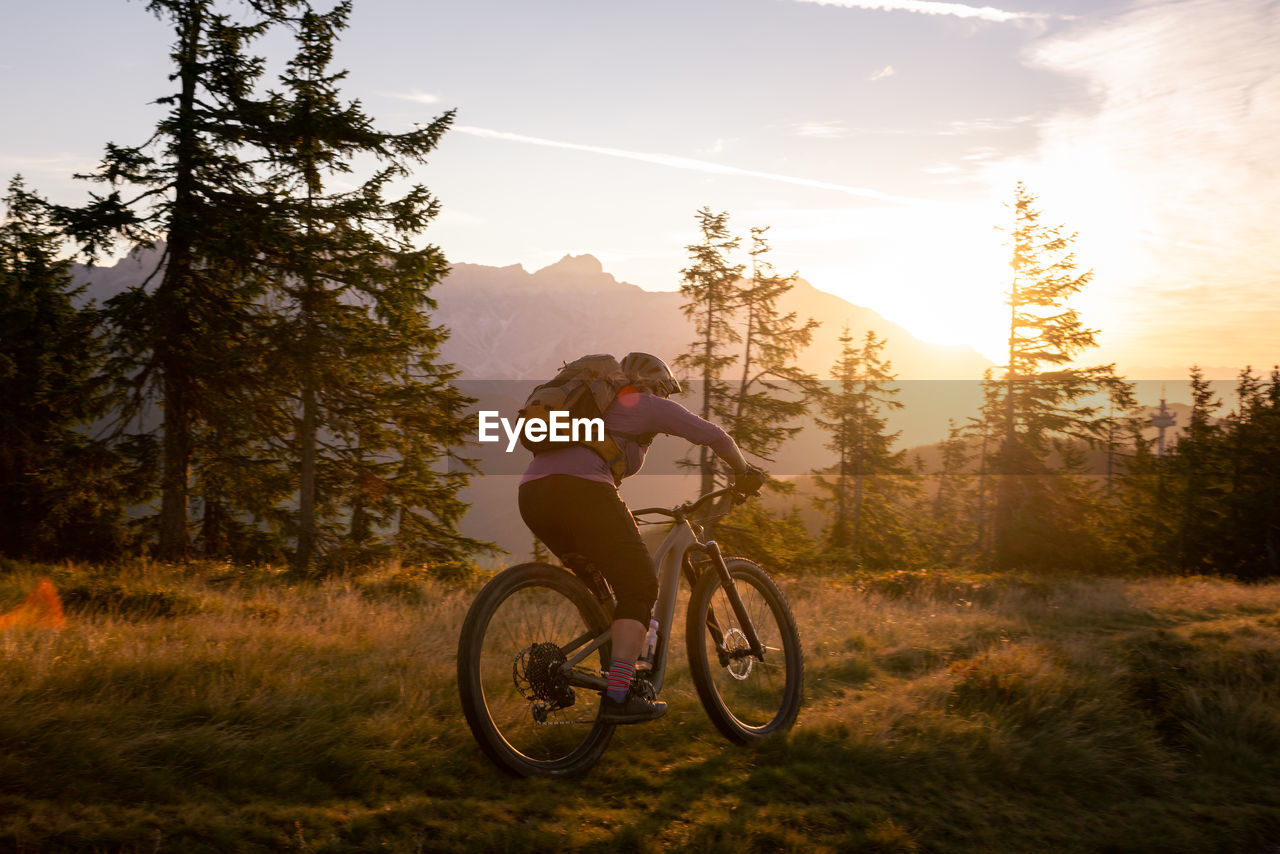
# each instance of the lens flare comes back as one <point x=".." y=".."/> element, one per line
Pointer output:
<point x="41" y="609"/>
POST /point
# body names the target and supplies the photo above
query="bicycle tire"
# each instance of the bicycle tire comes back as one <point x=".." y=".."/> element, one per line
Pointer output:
<point x="522" y="607"/>
<point x="747" y="699"/>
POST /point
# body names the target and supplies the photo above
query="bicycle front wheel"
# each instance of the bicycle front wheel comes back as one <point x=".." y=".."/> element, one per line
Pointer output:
<point x="521" y="708"/>
<point x="746" y="697"/>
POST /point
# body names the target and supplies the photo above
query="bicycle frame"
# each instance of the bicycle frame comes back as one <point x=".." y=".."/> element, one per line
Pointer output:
<point x="669" y="559"/>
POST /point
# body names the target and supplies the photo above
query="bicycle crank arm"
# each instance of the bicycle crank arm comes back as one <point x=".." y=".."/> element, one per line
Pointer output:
<point x="584" y="679"/>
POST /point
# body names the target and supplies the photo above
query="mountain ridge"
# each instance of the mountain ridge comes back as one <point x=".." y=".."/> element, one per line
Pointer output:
<point x="507" y="323"/>
<point x="578" y="308"/>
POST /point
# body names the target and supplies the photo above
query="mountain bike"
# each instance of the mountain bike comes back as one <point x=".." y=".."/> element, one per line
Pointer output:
<point x="534" y="652"/>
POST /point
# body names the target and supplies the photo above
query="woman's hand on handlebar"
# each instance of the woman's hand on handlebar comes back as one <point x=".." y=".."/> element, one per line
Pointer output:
<point x="748" y="483"/>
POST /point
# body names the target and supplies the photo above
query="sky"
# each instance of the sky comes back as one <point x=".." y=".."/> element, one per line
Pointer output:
<point x="880" y="142"/>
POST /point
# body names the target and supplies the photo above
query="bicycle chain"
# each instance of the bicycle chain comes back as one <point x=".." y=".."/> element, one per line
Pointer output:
<point x="564" y="723"/>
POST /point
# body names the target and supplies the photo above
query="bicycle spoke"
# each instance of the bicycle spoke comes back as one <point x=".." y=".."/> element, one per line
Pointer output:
<point x="518" y="700"/>
<point x="747" y="696"/>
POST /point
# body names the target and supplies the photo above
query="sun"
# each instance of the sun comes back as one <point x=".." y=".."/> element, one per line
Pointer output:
<point x="948" y="284"/>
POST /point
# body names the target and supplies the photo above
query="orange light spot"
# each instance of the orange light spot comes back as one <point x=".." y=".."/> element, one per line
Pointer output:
<point x="41" y="609"/>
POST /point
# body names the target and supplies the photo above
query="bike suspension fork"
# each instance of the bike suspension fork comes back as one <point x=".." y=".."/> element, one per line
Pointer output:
<point x="712" y="550"/>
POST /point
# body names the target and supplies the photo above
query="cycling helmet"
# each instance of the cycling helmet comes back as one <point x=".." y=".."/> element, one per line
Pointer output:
<point x="650" y="370"/>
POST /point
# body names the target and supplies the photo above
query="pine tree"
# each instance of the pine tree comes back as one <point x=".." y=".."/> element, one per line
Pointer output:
<point x="774" y="390"/>
<point x="758" y="409"/>
<point x="1216" y="491"/>
<point x="1136" y="528"/>
<point x="352" y="338"/>
<point x="1040" y="398"/>
<point x="984" y="428"/>
<point x="873" y="483"/>
<point x="1196" y="460"/>
<point x="240" y="480"/>
<point x="61" y="491"/>
<point x="1250" y="472"/>
<point x="195" y="191"/>
<point x="842" y="411"/>
<point x="1266" y="524"/>
<point x="711" y="290"/>
<point x="1122" y="420"/>
<point x="772" y="393"/>
<point x="955" y="506"/>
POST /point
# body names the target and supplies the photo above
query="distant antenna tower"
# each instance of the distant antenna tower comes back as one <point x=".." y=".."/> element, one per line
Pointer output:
<point x="1162" y="420"/>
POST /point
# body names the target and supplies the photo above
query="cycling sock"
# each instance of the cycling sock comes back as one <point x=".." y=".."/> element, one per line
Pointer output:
<point x="620" y="675"/>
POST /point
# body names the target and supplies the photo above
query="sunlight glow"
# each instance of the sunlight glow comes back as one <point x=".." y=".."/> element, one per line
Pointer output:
<point x="939" y="271"/>
<point x="953" y="294"/>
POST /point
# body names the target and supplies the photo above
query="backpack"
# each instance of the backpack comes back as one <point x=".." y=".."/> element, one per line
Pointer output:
<point x="584" y="388"/>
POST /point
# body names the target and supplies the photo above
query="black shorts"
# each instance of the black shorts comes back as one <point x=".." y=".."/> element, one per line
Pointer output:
<point x="572" y="515"/>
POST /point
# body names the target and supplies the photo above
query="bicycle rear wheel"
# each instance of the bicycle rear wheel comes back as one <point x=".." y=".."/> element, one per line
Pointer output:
<point x="747" y="698"/>
<point x="524" y="714"/>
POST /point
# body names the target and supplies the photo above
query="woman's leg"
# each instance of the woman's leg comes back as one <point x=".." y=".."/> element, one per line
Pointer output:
<point x="572" y="515"/>
<point x="628" y="639"/>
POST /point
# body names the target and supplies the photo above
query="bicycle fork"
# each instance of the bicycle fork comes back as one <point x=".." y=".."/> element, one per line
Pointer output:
<point x="712" y="549"/>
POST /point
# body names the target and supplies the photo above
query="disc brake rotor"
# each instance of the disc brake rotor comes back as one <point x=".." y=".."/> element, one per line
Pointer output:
<point x="740" y="658"/>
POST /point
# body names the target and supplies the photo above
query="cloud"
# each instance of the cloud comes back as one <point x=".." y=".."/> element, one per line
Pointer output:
<point x="964" y="127"/>
<point x="887" y="71"/>
<point x="822" y="130"/>
<point x="930" y="7"/>
<point x="416" y="97"/>
<point x="56" y="163"/>
<point x="689" y="163"/>
<point x="839" y="130"/>
<point x="1167" y="167"/>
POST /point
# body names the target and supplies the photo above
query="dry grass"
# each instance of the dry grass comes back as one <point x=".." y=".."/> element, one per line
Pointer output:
<point x="223" y="710"/>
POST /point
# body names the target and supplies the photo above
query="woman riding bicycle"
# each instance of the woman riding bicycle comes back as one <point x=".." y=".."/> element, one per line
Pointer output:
<point x="570" y="501"/>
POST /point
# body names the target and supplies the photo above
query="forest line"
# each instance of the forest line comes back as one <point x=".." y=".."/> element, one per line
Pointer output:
<point x="308" y="419"/>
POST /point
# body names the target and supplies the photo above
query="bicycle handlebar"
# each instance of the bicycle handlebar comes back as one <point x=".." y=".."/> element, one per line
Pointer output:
<point x="688" y="508"/>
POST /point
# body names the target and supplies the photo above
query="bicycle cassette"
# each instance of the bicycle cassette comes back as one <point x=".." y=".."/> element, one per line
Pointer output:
<point x="538" y="677"/>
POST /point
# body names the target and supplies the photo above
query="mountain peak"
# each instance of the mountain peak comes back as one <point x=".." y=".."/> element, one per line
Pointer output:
<point x="576" y="273"/>
<point x="575" y="265"/>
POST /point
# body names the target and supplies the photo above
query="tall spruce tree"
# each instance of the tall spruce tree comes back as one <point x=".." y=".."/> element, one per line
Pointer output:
<point x="711" y="288"/>
<point x="1265" y="523"/>
<point x="193" y="187"/>
<point x="956" y="503"/>
<point x="1244" y="469"/>
<point x="773" y="391"/>
<point x="1198" y="461"/>
<point x="1137" y="525"/>
<point x="1040" y="398"/>
<point x="1215" y="495"/>
<point x="62" y="492"/>
<point x="352" y="340"/>
<point x="871" y="484"/>
<point x="763" y="406"/>
<point x="984" y="429"/>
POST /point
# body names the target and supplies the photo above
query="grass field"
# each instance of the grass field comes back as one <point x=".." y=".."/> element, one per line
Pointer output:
<point x="220" y="710"/>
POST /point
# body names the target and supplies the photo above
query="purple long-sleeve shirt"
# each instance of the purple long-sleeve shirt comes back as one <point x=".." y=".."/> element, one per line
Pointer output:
<point x="631" y="413"/>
